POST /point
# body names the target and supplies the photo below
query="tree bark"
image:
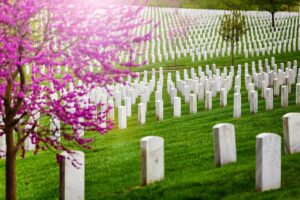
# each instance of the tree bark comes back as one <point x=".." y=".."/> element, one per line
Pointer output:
<point x="232" y="54"/>
<point x="273" y="20"/>
<point x="10" y="166"/>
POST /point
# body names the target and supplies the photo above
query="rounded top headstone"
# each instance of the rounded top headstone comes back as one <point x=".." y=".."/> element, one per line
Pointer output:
<point x="152" y="143"/>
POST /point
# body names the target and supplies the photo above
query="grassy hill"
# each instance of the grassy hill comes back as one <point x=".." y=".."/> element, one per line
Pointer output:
<point x="113" y="165"/>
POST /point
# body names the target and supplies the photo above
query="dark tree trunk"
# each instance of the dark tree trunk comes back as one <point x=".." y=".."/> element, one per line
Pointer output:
<point x="273" y="20"/>
<point x="232" y="54"/>
<point x="10" y="166"/>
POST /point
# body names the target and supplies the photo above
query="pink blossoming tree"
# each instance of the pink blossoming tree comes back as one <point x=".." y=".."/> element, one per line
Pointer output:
<point x="57" y="41"/>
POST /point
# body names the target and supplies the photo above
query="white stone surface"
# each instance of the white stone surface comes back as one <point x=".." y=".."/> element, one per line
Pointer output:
<point x="177" y="107"/>
<point x="122" y="118"/>
<point x="268" y="162"/>
<point x="269" y="98"/>
<point x="253" y="102"/>
<point x="159" y="110"/>
<point x="223" y="97"/>
<point x="72" y="176"/>
<point x="276" y="87"/>
<point x="128" y="106"/>
<point x="2" y="146"/>
<point x="224" y="144"/>
<point x="141" y="113"/>
<point x="193" y="103"/>
<point x="173" y="95"/>
<point x="291" y="128"/>
<point x="208" y="100"/>
<point x="284" y="96"/>
<point x="237" y="105"/>
<point x="298" y="94"/>
<point x="152" y="164"/>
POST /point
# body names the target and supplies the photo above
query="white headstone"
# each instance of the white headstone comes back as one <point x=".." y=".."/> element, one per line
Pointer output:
<point x="268" y="162"/>
<point x="253" y="102"/>
<point x="291" y="128"/>
<point x="2" y="142"/>
<point x="193" y="103"/>
<point x="141" y="113"/>
<point x="284" y="96"/>
<point x="298" y="94"/>
<point x="208" y="100"/>
<point x="152" y="153"/>
<point x="72" y="176"/>
<point x="159" y="110"/>
<point x="122" y="118"/>
<point x="224" y="144"/>
<point x="128" y="106"/>
<point x="237" y="105"/>
<point x="269" y="98"/>
<point x="223" y="97"/>
<point x="177" y="107"/>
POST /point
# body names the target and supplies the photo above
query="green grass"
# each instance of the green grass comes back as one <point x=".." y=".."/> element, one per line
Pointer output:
<point x="113" y="165"/>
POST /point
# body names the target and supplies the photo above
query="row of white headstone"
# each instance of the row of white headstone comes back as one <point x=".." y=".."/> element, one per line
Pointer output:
<point x="72" y="168"/>
<point x="204" y="85"/>
<point x="268" y="150"/>
<point x="268" y="157"/>
<point x="201" y="38"/>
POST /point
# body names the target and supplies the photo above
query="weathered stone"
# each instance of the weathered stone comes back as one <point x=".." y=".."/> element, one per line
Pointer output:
<point x="122" y="118"/>
<point x="159" y="110"/>
<point x="173" y="95"/>
<point x="269" y="98"/>
<point x="72" y="175"/>
<point x="291" y="128"/>
<point x="253" y="102"/>
<point x="237" y="105"/>
<point x="268" y="162"/>
<point x="224" y="144"/>
<point x="250" y="89"/>
<point x="117" y="99"/>
<point x="263" y="88"/>
<point x="141" y="113"/>
<point x="298" y="94"/>
<point x="193" y="103"/>
<point x="177" y="107"/>
<point x="284" y="96"/>
<point x="223" y="97"/>
<point x="128" y="106"/>
<point x="208" y="100"/>
<point x="2" y="146"/>
<point x="152" y="164"/>
<point x="201" y="91"/>
<point x="276" y="87"/>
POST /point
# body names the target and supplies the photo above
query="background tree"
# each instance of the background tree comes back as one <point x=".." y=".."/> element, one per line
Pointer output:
<point x="42" y="36"/>
<point x="233" y="27"/>
<point x="274" y="6"/>
<point x="237" y="5"/>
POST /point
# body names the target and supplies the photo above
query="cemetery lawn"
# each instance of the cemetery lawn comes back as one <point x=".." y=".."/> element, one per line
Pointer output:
<point x="113" y="164"/>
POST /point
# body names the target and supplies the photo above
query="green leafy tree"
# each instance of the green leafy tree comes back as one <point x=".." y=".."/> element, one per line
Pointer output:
<point x="233" y="27"/>
<point x="274" y="6"/>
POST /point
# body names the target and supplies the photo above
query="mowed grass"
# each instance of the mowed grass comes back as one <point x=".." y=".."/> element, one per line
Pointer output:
<point x="113" y="165"/>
